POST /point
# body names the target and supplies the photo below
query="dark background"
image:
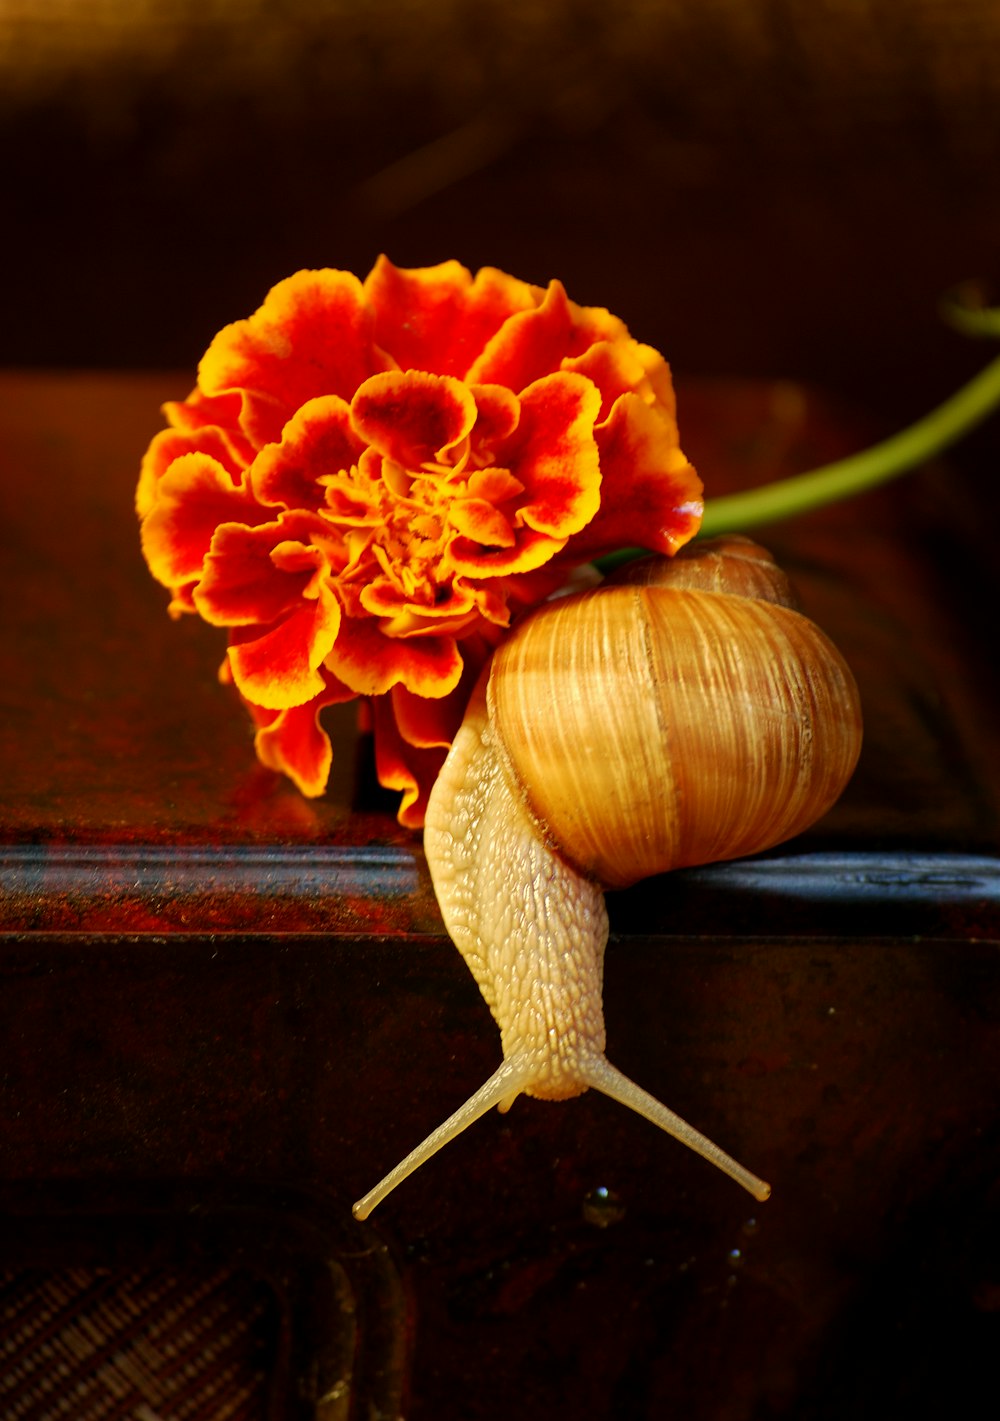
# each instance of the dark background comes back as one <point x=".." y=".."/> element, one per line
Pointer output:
<point x="759" y="187"/>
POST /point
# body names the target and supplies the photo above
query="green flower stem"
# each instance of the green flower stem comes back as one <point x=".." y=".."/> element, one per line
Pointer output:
<point x="965" y="309"/>
<point x="734" y="513"/>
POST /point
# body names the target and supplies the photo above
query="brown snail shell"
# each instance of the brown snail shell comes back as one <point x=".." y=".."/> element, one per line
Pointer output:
<point x="681" y="713"/>
<point x="656" y="724"/>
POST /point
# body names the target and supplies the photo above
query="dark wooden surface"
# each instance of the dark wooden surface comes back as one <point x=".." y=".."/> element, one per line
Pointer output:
<point x="225" y="1011"/>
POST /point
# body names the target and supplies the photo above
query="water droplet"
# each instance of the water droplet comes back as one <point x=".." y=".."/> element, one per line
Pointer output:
<point x="602" y="1207"/>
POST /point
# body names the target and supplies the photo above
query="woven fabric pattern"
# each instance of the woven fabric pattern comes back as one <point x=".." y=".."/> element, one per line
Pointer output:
<point x="110" y="1345"/>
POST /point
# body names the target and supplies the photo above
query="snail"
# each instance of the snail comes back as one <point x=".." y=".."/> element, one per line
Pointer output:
<point x="680" y="713"/>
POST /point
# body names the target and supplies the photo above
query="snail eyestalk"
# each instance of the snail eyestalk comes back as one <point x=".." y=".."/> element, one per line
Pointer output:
<point x="602" y="1076"/>
<point x="501" y="1090"/>
<point x="515" y="1075"/>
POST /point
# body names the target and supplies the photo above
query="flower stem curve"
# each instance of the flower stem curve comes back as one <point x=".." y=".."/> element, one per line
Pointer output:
<point x="911" y="447"/>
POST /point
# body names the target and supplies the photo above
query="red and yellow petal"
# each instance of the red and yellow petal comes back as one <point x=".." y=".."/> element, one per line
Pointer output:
<point x="182" y="601"/>
<point x="554" y="454"/>
<point x="495" y="485"/>
<point x="294" y="743"/>
<point x="533" y="343"/>
<point x="412" y="417"/>
<point x="491" y="600"/>
<point x="316" y="443"/>
<point x="200" y="410"/>
<point x="440" y="318"/>
<point x="433" y="724"/>
<point x="312" y="336"/>
<point x="652" y="496"/>
<point x="244" y="584"/>
<point x="531" y="552"/>
<point x="423" y="723"/>
<point x="171" y="444"/>
<point x="497" y="413"/>
<point x="552" y="459"/>
<point x="413" y="734"/>
<point x="406" y="768"/>
<point x="199" y="423"/>
<point x="480" y="520"/>
<point x="353" y="498"/>
<point x="438" y="610"/>
<point x="593" y="323"/>
<point x="613" y="366"/>
<point x="530" y="344"/>
<point x="281" y="668"/>
<point x="372" y="663"/>
<point x="658" y="384"/>
<point x="193" y="498"/>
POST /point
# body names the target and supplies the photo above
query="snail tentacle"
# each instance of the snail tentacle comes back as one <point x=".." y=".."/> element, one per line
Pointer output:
<point x="602" y="1076"/>
<point x="501" y="1089"/>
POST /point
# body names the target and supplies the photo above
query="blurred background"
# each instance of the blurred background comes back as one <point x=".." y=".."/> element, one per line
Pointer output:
<point x="759" y="187"/>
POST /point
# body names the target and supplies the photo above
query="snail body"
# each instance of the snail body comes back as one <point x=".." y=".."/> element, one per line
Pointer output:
<point x="681" y="713"/>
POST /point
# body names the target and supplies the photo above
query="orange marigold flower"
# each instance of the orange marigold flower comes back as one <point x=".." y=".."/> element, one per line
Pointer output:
<point x="371" y="479"/>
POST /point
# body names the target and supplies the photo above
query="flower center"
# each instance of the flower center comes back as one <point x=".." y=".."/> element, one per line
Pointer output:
<point x="404" y="532"/>
<point x="410" y="546"/>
